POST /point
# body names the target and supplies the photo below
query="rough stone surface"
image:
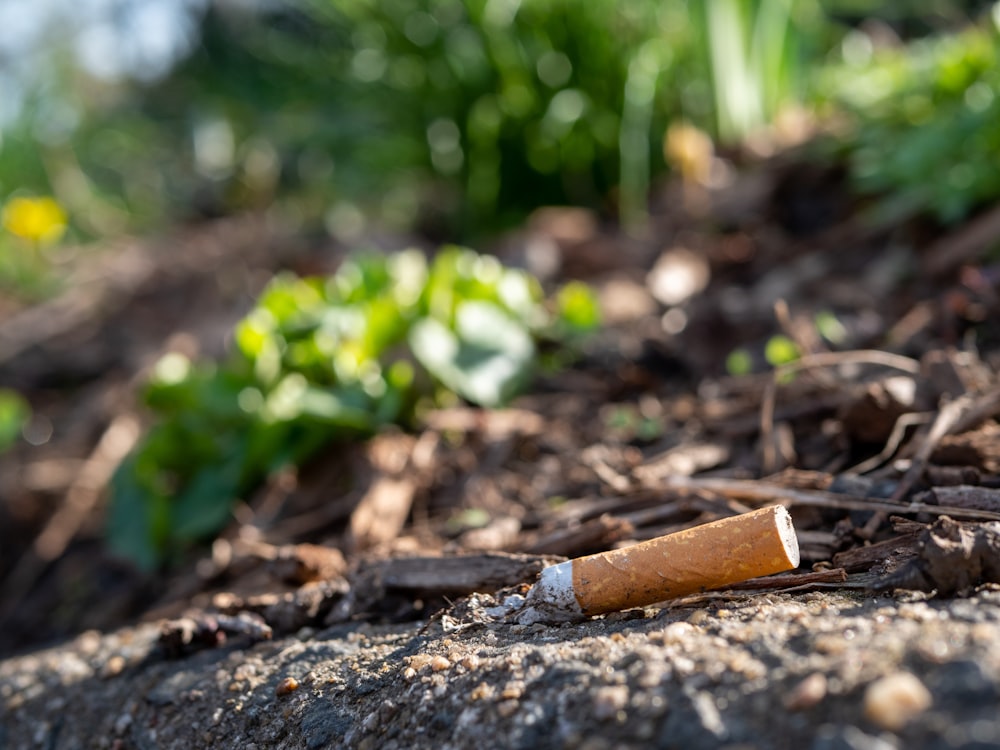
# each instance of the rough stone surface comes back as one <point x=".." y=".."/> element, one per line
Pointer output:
<point x="768" y="671"/>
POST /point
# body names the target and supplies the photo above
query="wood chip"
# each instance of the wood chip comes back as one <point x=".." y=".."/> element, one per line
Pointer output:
<point x="459" y="574"/>
<point x="382" y="512"/>
<point x="592" y="536"/>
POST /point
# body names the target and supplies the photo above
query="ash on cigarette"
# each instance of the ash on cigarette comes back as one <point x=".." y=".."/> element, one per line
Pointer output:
<point x="531" y="610"/>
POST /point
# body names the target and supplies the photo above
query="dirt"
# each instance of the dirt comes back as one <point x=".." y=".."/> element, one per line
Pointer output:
<point x="815" y="670"/>
<point x="372" y="569"/>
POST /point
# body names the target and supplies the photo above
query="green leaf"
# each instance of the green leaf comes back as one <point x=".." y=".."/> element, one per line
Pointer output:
<point x="290" y="299"/>
<point x="577" y="307"/>
<point x="334" y="408"/>
<point x="255" y="333"/>
<point x="485" y="359"/>
<point x="203" y="509"/>
<point x="317" y="361"/>
<point x="136" y="517"/>
<point x="739" y="362"/>
<point x="14" y="412"/>
<point x="467" y="518"/>
<point x="830" y="327"/>
<point x="780" y="350"/>
<point x="384" y="326"/>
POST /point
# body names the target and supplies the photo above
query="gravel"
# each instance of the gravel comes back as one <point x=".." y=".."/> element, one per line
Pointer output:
<point x="824" y="670"/>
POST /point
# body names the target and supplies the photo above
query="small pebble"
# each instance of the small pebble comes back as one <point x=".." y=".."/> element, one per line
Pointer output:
<point x="122" y="723"/>
<point x="512" y="690"/>
<point x="286" y="686"/>
<point x="807" y="693"/>
<point x="609" y="700"/>
<point x="831" y="644"/>
<point x="440" y="663"/>
<point x="482" y="691"/>
<point x="698" y="617"/>
<point x="419" y="661"/>
<point x="113" y="666"/>
<point x="893" y="701"/>
<point x="677" y="633"/>
<point x="88" y="642"/>
<point x="507" y="708"/>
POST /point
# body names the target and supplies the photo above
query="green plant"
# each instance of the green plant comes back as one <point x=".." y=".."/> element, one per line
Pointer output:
<point x="780" y="350"/>
<point x="512" y="105"/>
<point x="828" y="326"/>
<point x="28" y="227"/>
<point x="753" y="62"/>
<point x="457" y="115"/>
<point x="627" y="422"/>
<point x="14" y="412"/>
<point x="925" y="139"/>
<point x="739" y="362"/>
<point x="322" y="359"/>
<point x="452" y="116"/>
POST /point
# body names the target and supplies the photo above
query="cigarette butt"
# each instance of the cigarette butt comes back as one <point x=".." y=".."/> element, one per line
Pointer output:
<point x="698" y="559"/>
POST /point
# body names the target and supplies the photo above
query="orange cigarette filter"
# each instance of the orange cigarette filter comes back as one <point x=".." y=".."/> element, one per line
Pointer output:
<point x="705" y="557"/>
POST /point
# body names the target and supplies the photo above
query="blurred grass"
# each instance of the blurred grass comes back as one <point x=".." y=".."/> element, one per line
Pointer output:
<point x="924" y="135"/>
<point x="453" y="117"/>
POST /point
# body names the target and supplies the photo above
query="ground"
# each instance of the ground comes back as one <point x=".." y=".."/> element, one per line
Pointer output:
<point x="815" y="670"/>
<point x="365" y="575"/>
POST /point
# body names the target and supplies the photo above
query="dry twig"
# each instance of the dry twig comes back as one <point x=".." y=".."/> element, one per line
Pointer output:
<point x="810" y="361"/>
<point x="81" y="498"/>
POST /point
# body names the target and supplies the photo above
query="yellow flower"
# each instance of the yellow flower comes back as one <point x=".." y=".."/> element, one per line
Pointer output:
<point x="690" y="151"/>
<point x="40" y="220"/>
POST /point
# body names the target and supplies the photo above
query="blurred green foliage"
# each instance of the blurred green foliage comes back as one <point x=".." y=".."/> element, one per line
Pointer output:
<point x="925" y="136"/>
<point x="739" y="362"/>
<point x="324" y="359"/>
<point x="510" y="105"/>
<point x="29" y="226"/>
<point x="627" y="422"/>
<point x="454" y="117"/>
<point x="780" y="350"/>
<point x="14" y="412"/>
<point x="755" y="60"/>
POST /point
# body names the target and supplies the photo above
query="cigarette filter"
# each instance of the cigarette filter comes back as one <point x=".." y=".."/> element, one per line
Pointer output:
<point x="699" y="559"/>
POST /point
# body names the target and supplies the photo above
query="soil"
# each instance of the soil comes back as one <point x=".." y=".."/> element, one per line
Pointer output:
<point x="816" y="670"/>
<point x="349" y="603"/>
